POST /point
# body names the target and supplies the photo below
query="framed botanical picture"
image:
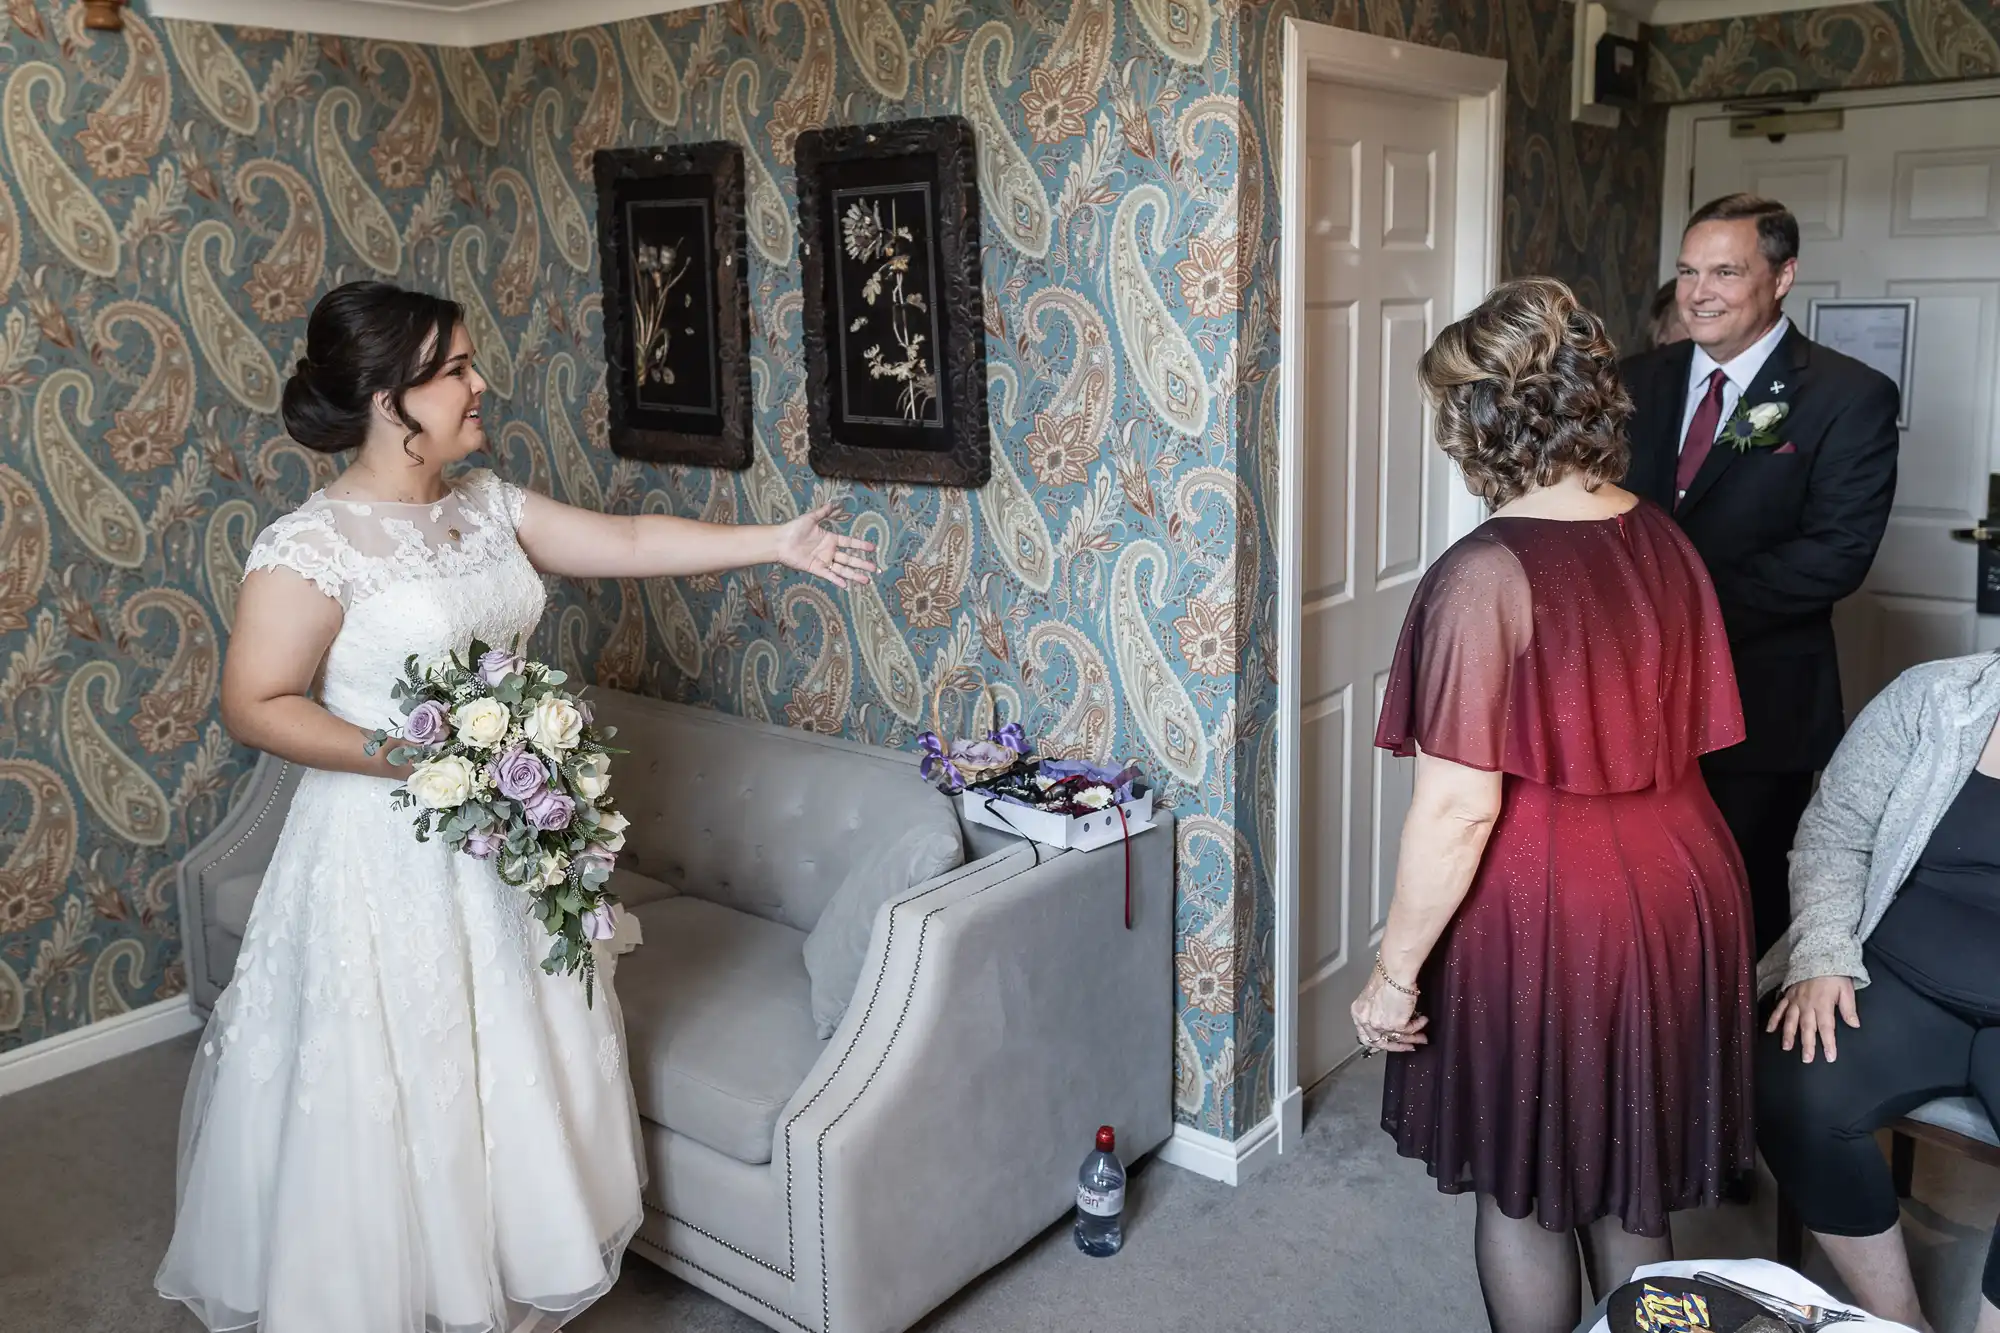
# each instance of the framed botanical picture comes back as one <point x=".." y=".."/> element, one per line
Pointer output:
<point x="676" y="303"/>
<point x="894" y="330"/>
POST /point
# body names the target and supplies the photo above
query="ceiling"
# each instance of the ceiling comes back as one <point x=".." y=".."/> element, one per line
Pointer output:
<point x="478" y="22"/>
<point x="438" y="22"/>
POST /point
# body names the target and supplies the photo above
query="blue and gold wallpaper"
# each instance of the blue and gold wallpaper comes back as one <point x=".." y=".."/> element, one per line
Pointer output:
<point x="174" y="197"/>
<point x="1845" y="46"/>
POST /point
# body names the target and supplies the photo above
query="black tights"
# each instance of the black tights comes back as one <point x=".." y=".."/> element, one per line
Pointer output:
<point x="1530" y="1276"/>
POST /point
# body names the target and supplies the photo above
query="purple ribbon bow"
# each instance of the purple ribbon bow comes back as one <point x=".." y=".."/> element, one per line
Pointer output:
<point x="936" y="763"/>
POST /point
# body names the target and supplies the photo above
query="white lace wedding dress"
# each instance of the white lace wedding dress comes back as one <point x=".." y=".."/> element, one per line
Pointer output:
<point x="397" y="1122"/>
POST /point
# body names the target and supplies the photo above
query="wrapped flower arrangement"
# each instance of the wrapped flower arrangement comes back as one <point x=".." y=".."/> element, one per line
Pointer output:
<point x="511" y="768"/>
<point x="1066" y="787"/>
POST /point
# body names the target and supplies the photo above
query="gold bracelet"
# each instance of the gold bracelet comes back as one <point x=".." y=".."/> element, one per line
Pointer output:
<point x="1394" y="984"/>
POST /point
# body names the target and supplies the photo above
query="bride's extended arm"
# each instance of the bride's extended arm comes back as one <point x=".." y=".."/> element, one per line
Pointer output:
<point x="582" y="543"/>
<point x="284" y="626"/>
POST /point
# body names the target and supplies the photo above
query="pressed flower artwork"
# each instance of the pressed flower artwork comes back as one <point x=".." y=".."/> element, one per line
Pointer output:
<point x="894" y="329"/>
<point x="670" y="222"/>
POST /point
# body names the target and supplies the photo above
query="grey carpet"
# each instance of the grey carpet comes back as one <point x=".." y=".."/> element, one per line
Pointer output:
<point x="1342" y="1234"/>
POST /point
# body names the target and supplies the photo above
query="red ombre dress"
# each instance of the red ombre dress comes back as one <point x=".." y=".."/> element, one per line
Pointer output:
<point x="1591" y="1004"/>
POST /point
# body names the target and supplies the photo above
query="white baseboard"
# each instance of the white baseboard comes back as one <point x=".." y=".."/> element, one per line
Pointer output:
<point x="94" y="1043"/>
<point x="1291" y="1114"/>
<point x="1218" y="1158"/>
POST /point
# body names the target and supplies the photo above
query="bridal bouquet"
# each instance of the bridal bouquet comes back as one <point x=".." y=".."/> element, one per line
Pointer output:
<point x="510" y="768"/>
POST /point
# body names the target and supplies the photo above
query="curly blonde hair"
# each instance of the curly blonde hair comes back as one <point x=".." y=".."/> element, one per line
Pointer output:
<point x="1527" y="393"/>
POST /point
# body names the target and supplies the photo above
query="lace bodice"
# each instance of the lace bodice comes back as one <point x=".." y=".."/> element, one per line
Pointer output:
<point x="411" y="578"/>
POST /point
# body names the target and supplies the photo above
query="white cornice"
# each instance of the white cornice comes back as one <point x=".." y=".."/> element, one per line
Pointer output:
<point x="432" y="22"/>
<point x="1665" y="13"/>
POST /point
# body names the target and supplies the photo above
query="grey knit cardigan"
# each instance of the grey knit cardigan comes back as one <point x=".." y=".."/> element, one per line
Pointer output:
<point x="1895" y="774"/>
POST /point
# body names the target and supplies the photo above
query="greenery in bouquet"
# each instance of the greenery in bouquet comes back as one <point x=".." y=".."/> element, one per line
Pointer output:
<point x="511" y="768"/>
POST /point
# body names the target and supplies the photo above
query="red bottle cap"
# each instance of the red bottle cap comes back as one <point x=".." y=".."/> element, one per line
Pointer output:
<point x="1107" y="1139"/>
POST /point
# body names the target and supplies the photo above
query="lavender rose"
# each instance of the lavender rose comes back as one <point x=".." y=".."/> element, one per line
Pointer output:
<point x="519" y="775"/>
<point x="482" y="844"/>
<point x="550" y="811"/>
<point x="597" y="856"/>
<point x="426" y="724"/>
<point x="600" y="924"/>
<point x="496" y="664"/>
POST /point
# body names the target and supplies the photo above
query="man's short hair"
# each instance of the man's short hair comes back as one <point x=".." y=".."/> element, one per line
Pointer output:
<point x="1777" y="229"/>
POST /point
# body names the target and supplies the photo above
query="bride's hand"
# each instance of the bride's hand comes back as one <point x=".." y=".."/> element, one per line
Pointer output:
<point x="806" y="546"/>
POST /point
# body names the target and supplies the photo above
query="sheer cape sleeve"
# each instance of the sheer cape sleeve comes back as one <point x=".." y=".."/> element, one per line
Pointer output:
<point x="1452" y="685"/>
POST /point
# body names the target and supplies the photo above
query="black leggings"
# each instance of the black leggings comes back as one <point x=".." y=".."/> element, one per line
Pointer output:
<point x="1816" y="1122"/>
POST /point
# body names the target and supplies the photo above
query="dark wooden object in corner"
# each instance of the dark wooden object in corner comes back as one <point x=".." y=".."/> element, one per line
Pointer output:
<point x="104" y="15"/>
<point x="1903" y="1138"/>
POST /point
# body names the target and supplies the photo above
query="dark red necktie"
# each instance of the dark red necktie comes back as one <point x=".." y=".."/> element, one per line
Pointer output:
<point x="1701" y="434"/>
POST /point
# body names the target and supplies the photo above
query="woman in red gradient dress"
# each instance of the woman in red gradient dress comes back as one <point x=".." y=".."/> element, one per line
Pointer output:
<point x="1565" y="976"/>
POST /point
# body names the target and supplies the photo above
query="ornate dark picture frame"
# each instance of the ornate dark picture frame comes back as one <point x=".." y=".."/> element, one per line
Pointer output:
<point x="671" y="239"/>
<point x="895" y="337"/>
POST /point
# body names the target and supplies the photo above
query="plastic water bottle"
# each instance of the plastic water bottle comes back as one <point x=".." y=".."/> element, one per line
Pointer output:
<point x="1100" y="1199"/>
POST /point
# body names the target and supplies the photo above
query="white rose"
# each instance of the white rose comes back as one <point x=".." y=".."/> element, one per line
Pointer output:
<point x="1766" y="415"/>
<point x="481" y="724"/>
<point x="555" y="725"/>
<point x="593" y="776"/>
<point x="442" y="784"/>
<point x="554" y="866"/>
<point x="611" y="827"/>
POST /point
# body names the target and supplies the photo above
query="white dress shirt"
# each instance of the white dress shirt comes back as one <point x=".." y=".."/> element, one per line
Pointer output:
<point x="1739" y="375"/>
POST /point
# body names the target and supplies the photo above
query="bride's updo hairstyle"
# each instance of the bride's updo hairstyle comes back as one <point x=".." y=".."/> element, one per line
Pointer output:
<point x="365" y="338"/>
<point x="1527" y="392"/>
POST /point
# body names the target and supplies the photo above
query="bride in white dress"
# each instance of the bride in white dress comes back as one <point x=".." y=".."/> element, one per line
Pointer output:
<point x="396" y="1121"/>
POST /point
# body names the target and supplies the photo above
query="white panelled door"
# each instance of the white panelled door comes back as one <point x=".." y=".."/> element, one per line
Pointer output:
<point x="1378" y="286"/>
<point x="1902" y="201"/>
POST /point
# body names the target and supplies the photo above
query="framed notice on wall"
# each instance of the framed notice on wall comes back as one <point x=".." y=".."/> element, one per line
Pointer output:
<point x="1878" y="331"/>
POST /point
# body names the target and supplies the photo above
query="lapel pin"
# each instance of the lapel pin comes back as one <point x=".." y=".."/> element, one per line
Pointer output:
<point x="1777" y="386"/>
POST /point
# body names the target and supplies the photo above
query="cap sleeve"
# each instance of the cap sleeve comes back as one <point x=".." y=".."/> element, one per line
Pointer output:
<point x="498" y="495"/>
<point x="1451" y="685"/>
<point x="306" y="542"/>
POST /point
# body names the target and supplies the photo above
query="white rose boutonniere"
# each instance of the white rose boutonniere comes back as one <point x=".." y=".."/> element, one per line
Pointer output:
<point x="443" y="784"/>
<point x="1754" y="427"/>
<point x="481" y="724"/>
<point x="555" y="725"/>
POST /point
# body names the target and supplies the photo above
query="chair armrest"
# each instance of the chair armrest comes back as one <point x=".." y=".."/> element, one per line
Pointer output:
<point x="241" y="844"/>
<point x="1005" y="1014"/>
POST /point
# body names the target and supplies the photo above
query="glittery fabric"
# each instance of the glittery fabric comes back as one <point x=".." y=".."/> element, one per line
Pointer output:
<point x="1590" y="1005"/>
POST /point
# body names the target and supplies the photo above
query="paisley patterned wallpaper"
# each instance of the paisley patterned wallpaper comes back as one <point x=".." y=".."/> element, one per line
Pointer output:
<point x="1848" y="46"/>
<point x="173" y="198"/>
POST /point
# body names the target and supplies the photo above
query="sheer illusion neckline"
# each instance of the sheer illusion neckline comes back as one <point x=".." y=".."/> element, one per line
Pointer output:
<point x="321" y="494"/>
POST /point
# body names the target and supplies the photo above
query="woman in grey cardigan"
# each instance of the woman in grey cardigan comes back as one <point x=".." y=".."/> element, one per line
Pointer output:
<point x="1891" y="993"/>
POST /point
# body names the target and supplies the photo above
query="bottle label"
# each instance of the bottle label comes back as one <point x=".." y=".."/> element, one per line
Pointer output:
<point x="1101" y="1203"/>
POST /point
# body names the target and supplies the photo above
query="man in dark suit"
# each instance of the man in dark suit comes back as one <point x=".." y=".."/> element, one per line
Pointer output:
<point x="1777" y="456"/>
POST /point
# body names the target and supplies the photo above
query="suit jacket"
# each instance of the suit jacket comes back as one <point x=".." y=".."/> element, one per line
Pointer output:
<point x="1786" y="531"/>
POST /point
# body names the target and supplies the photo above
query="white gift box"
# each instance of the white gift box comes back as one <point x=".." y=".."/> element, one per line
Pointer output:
<point x="1076" y="833"/>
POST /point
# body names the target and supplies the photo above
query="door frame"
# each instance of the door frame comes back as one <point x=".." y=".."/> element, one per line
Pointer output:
<point x="1477" y="84"/>
<point x="1677" y="176"/>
